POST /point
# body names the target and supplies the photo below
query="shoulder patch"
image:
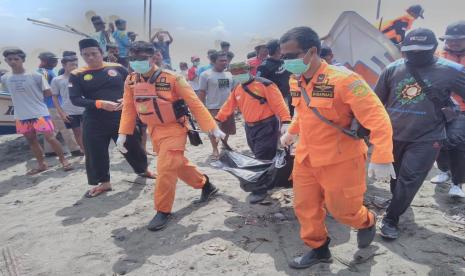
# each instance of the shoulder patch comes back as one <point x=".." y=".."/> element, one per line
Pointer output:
<point x="265" y="82"/>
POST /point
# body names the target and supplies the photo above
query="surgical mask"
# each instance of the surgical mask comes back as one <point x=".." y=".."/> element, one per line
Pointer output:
<point x="140" y="66"/>
<point x="196" y="63"/>
<point x="420" y="58"/>
<point x="241" y="78"/>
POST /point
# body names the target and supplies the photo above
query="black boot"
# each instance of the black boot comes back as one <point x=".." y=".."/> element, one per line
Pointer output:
<point x="256" y="197"/>
<point x="159" y="221"/>
<point x="365" y="236"/>
<point x="315" y="256"/>
<point x="389" y="231"/>
<point x="208" y="191"/>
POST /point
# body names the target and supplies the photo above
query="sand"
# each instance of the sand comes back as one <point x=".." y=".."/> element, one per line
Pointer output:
<point x="47" y="227"/>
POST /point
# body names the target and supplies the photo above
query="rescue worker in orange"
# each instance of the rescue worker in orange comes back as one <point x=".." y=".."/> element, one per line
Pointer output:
<point x="395" y="29"/>
<point x="160" y="99"/>
<point x="451" y="159"/>
<point x="329" y="165"/>
<point x="261" y="104"/>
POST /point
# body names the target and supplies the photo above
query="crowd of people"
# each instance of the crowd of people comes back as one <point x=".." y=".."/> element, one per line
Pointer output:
<point x="289" y="92"/>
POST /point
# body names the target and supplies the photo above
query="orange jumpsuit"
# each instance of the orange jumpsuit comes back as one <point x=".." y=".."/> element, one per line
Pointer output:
<point x="461" y="60"/>
<point x="251" y="108"/>
<point x="329" y="166"/>
<point x="168" y="139"/>
<point x="395" y="29"/>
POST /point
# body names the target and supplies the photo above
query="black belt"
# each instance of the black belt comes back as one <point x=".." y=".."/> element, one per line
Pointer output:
<point x="260" y="122"/>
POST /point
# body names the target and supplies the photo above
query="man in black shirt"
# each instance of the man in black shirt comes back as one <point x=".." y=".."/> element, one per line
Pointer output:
<point x="415" y="90"/>
<point x="273" y="70"/>
<point x="99" y="88"/>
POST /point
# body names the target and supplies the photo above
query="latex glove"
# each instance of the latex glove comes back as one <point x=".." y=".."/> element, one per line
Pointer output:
<point x="120" y="143"/>
<point x="217" y="133"/>
<point x="284" y="128"/>
<point x="288" y="139"/>
<point x="381" y="171"/>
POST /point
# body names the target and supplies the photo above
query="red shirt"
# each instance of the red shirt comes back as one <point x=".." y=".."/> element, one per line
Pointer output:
<point x="254" y="63"/>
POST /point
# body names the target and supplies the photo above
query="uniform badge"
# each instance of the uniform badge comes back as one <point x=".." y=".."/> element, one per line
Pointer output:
<point x="112" y="73"/>
<point x="88" y="77"/>
<point x="323" y="90"/>
<point x="295" y="94"/>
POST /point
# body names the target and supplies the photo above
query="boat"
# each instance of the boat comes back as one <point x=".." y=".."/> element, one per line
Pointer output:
<point x="7" y="120"/>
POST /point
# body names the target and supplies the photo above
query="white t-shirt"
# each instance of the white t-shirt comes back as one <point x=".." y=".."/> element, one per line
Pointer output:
<point x="60" y="87"/>
<point x="27" y="94"/>
<point x="217" y="85"/>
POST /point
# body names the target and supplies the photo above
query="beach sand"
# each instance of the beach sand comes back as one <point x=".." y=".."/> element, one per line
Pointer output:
<point x="48" y="228"/>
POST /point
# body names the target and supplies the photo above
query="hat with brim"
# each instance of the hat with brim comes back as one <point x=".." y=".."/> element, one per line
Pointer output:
<point x="451" y="37"/>
<point x="417" y="48"/>
<point x="420" y="39"/>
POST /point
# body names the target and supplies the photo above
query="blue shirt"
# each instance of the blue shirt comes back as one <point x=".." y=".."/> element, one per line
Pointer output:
<point x="48" y="74"/>
<point x="203" y="69"/>
<point x="123" y="42"/>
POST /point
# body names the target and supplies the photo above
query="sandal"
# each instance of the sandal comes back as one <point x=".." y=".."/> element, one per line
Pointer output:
<point x="96" y="192"/>
<point x="68" y="167"/>
<point x="36" y="171"/>
<point x="148" y="175"/>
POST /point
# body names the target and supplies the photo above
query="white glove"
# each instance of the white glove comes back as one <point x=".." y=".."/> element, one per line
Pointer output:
<point x="288" y="139"/>
<point x="217" y="133"/>
<point x="381" y="171"/>
<point x="284" y="128"/>
<point x="120" y="143"/>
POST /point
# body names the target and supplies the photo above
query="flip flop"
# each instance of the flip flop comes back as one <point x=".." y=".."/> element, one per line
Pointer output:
<point x="98" y="191"/>
<point x="36" y="171"/>
<point x="150" y="175"/>
<point x="214" y="157"/>
<point x="68" y="167"/>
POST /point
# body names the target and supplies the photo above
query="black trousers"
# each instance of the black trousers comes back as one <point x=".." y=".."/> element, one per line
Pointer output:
<point x="412" y="162"/>
<point x="96" y="136"/>
<point x="263" y="138"/>
<point x="453" y="159"/>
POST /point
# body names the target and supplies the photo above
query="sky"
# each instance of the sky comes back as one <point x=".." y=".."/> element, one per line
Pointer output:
<point x="199" y="25"/>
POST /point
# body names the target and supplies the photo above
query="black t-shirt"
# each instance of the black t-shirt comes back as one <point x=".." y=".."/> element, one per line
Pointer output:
<point x="88" y="85"/>
<point x="272" y="70"/>
<point x="413" y="115"/>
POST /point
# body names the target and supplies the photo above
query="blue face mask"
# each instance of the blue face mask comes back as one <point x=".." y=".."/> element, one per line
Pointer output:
<point x="242" y="78"/>
<point x="296" y="66"/>
<point x="140" y="66"/>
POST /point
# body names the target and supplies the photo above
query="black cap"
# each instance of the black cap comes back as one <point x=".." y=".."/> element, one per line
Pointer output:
<point x="416" y="10"/>
<point x="87" y="43"/>
<point x="47" y="55"/>
<point x="419" y="40"/>
<point x="97" y="19"/>
<point x="455" y="31"/>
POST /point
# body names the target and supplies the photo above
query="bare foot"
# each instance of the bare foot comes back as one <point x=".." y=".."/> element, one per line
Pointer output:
<point x="100" y="189"/>
<point x="39" y="169"/>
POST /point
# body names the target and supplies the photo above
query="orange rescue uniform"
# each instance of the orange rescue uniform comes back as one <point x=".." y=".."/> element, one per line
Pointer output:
<point x="395" y="29"/>
<point x="168" y="139"/>
<point x="251" y="108"/>
<point x="459" y="59"/>
<point x="329" y="166"/>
